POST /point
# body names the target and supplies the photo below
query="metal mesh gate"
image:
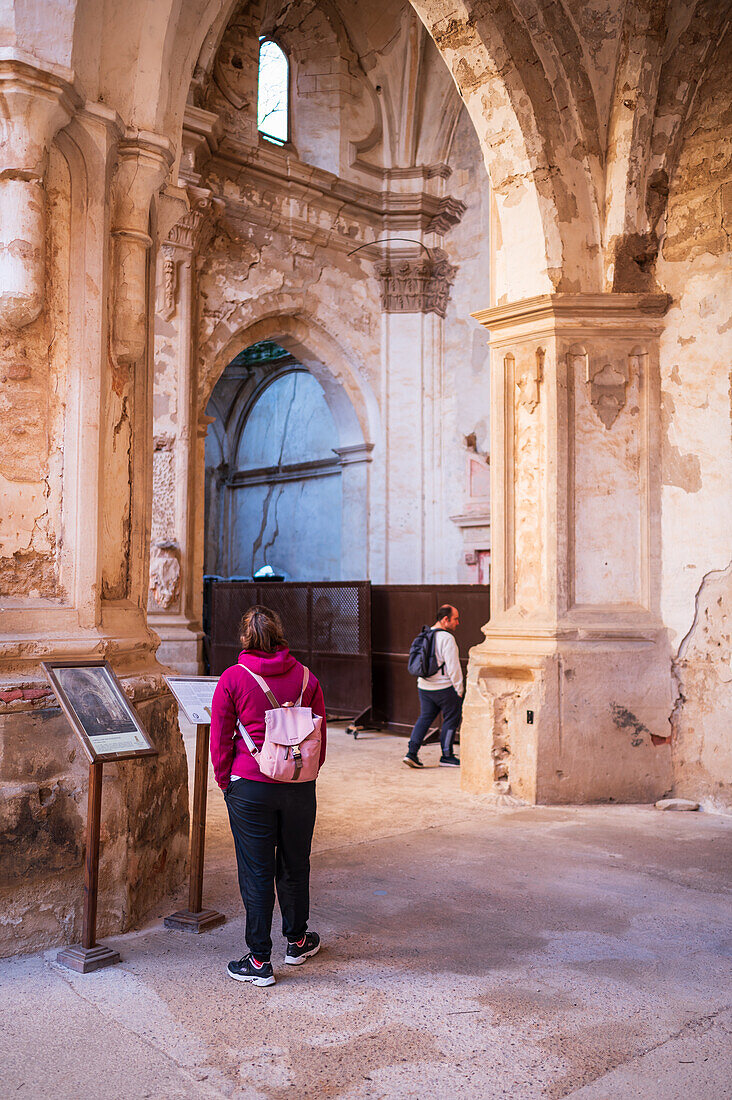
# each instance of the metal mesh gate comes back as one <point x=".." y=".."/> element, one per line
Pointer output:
<point x="327" y="626"/>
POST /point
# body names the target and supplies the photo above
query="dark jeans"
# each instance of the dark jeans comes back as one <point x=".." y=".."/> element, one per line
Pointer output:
<point x="450" y="703"/>
<point x="273" y="826"/>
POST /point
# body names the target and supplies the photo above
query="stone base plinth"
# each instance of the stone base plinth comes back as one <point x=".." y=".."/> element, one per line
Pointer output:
<point x="568" y="721"/>
<point x="181" y="644"/>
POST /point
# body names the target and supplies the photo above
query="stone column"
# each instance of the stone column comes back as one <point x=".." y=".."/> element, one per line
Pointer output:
<point x="174" y="602"/>
<point x="34" y="105"/>
<point x="415" y="291"/>
<point x="569" y="695"/>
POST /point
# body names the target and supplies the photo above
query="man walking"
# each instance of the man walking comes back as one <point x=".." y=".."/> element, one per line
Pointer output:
<point x="442" y="691"/>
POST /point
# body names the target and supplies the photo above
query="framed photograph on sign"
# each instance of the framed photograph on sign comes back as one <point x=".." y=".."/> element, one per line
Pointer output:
<point x="95" y="704"/>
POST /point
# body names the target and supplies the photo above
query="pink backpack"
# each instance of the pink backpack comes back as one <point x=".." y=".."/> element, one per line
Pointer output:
<point x="291" y="749"/>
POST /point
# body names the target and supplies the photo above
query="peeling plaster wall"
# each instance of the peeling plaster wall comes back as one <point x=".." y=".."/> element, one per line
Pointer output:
<point x="32" y="407"/>
<point x="701" y="720"/>
<point x="696" y="353"/>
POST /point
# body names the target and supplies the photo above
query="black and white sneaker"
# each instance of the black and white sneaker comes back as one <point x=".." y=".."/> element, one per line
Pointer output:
<point x="413" y="761"/>
<point x="302" y="949"/>
<point x="449" y="762"/>
<point x="249" y="970"/>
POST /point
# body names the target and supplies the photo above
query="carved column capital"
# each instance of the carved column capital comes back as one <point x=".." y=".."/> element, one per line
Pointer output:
<point x="185" y="240"/>
<point x="34" y="106"/>
<point x="193" y="231"/>
<point x="414" y="283"/>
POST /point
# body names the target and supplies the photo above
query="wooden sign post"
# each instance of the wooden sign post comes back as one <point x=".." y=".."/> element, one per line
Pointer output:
<point x="193" y="695"/>
<point x="97" y="708"/>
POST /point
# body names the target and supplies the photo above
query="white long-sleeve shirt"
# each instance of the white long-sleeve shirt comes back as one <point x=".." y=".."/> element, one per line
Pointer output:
<point x="447" y="654"/>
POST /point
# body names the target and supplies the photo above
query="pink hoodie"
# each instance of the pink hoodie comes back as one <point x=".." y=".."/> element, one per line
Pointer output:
<point x="237" y="695"/>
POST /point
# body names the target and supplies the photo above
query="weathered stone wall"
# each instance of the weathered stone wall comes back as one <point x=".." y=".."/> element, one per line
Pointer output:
<point x="695" y="268"/>
<point x="43" y="807"/>
<point x="285" y="223"/>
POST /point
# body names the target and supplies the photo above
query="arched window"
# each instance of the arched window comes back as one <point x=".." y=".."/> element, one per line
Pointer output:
<point x="273" y="96"/>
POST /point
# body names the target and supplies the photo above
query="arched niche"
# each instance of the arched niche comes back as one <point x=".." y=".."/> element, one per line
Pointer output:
<point x="313" y="494"/>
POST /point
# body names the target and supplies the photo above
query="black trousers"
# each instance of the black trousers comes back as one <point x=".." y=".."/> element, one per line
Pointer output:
<point x="431" y="703"/>
<point x="273" y="826"/>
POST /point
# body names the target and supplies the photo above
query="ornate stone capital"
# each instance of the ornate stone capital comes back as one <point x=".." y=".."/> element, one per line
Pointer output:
<point x="186" y="239"/>
<point x="416" y="283"/>
<point x="193" y="231"/>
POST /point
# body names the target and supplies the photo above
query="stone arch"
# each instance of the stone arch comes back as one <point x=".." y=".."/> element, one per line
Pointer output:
<point x="349" y="397"/>
<point x="528" y="95"/>
<point x="284" y="320"/>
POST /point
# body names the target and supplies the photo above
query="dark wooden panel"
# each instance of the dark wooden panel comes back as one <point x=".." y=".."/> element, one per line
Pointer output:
<point x="398" y="614"/>
<point x="327" y="626"/>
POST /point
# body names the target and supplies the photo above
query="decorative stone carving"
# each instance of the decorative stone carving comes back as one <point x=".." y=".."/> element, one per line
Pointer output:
<point x="166" y="308"/>
<point x="449" y="214"/>
<point x="201" y="133"/>
<point x="164" y="574"/>
<point x="529" y="380"/>
<point x="34" y="105"/>
<point x="194" y="230"/>
<point x="187" y="237"/>
<point x="416" y="284"/>
<point x="608" y="384"/>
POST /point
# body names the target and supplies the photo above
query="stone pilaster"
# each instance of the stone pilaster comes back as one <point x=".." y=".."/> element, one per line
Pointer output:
<point x="34" y="105"/>
<point x="174" y="602"/>
<point x="569" y="695"/>
<point x="85" y="359"/>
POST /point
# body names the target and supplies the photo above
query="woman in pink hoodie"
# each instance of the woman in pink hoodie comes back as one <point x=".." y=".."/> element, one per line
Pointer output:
<point x="272" y="822"/>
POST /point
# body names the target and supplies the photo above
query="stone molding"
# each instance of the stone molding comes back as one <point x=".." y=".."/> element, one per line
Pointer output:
<point x="202" y="132"/>
<point x="357" y="452"/>
<point x="340" y="204"/>
<point x="573" y="308"/>
<point x="416" y="284"/>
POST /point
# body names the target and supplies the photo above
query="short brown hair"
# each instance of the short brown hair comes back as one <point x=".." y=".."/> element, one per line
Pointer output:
<point x="261" y="629"/>
<point x="445" y="612"/>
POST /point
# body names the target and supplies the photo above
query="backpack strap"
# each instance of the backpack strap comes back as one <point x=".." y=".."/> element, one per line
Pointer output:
<point x="305" y="678"/>
<point x="435" y="631"/>
<point x="263" y="685"/>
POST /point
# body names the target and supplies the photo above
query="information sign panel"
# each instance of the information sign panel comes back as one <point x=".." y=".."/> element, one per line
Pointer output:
<point x="194" y="695"/>
<point x="95" y="704"/>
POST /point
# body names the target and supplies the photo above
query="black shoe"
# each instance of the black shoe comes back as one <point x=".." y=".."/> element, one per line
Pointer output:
<point x="246" y="970"/>
<point x="413" y="761"/>
<point x="298" y="952"/>
<point x="449" y="761"/>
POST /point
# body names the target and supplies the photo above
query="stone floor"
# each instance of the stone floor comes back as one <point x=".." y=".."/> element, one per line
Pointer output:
<point x="470" y="951"/>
